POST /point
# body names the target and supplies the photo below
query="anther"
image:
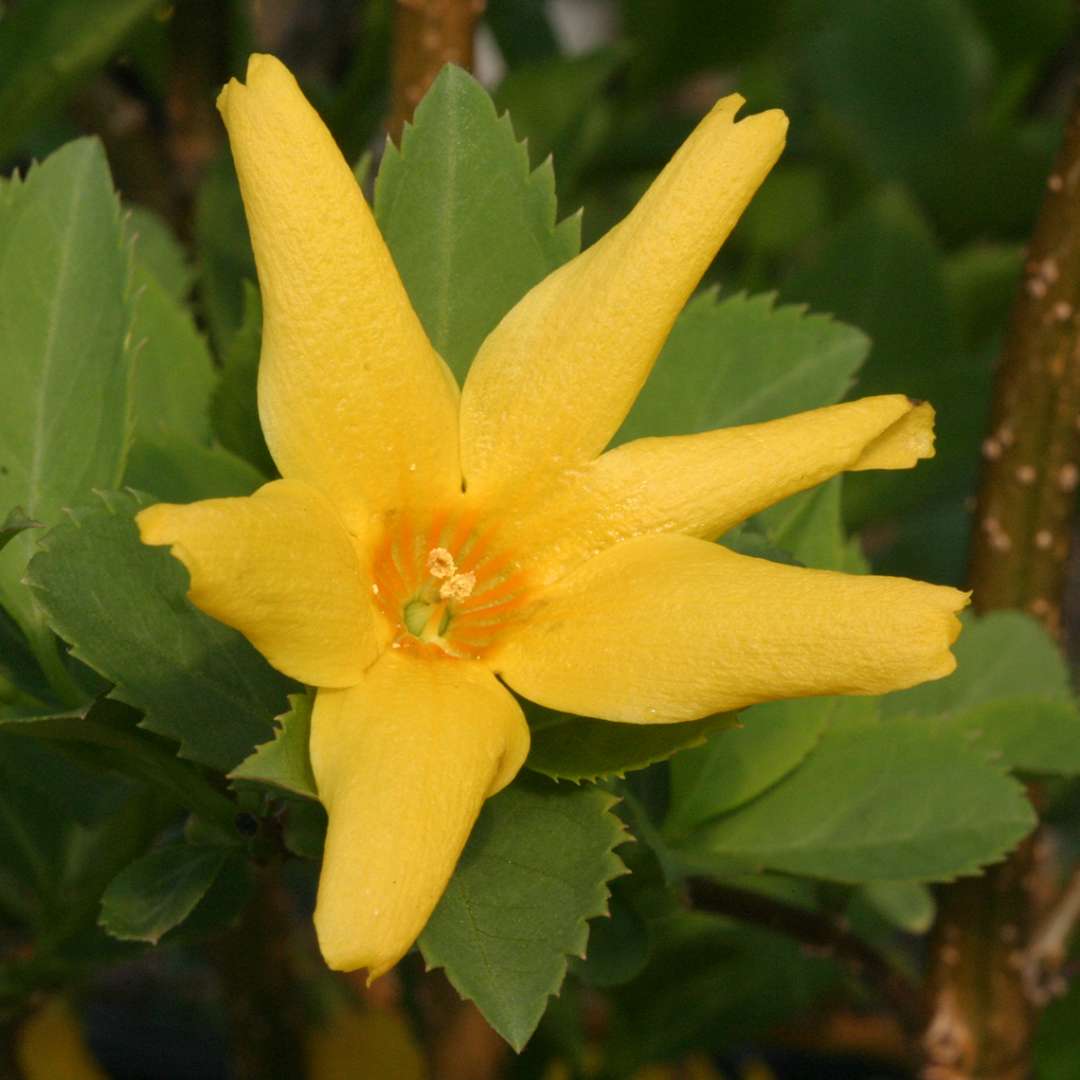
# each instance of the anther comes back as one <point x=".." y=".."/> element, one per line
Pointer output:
<point x="440" y="563"/>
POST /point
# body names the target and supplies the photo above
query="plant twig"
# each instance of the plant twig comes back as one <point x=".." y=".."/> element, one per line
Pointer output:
<point x="982" y="1013"/>
<point x="817" y="931"/>
<point x="428" y="34"/>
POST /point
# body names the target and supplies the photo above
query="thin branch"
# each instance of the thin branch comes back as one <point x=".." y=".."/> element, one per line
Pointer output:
<point x="428" y="34"/>
<point x="816" y="931"/>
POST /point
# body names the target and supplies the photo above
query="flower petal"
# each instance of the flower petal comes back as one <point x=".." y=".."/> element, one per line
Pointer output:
<point x="583" y="341"/>
<point x="280" y="567"/>
<point x="704" y="484"/>
<point x="670" y="628"/>
<point x="352" y="397"/>
<point x="403" y="763"/>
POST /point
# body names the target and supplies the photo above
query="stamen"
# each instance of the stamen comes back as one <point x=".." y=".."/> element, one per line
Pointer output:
<point x="459" y="587"/>
<point x="440" y="563"/>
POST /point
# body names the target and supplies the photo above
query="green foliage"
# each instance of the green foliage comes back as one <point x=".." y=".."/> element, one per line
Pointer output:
<point x="234" y="408"/>
<point x="45" y="48"/>
<point x="65" y="316"/>
<point x="742" y="361"/>
<point x="224" y="253"/>
<point x="734" y="766"/>
<point x="896" y="800"/>
<point x="15" y="523"/>
<point x="535" y="869"/>
<point x="467" y="260"/>
<point x="121" y="606"/>
<point x="1009" y="697"/>
<point x="567" y="747"/>
<point x="160" y="252"/>
<point x="156" y="893"/>
<point x="284" y="763"/>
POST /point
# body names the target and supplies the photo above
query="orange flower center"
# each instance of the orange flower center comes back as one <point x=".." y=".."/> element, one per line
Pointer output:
<point x="446" y="590"/>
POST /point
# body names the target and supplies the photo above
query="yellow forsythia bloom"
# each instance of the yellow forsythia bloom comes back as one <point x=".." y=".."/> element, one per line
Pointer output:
<point x="50" y="1046"/>
<point x="428" y="545"/>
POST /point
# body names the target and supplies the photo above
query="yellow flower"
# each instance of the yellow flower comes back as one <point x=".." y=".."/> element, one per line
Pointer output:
<point x="429" y="548"/>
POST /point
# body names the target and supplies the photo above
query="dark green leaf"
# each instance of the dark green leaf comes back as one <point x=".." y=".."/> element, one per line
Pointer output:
<point x="156" y="893"/>
<point x="177" y="470"/>
<point x="1002" y="655"/>
<point x="547" y="101"/>
<point x="234" y="408"/>
<point x="65" y="365"/>
<point x="284" y="762"/>
<point x="1009" y="696"/>
<point x="735" y="766"/>
<point x="45" y="48"/>
<point x="908" y="905"/>
<point x="160" y="252"/>
<point x="15" y="523"/>
<point x="865" y="59"/>
<point x="810" y="525"/>
<point x="882" y="251"/>
<point x="741" y="361"/>
<point x="899" y="800"/>
<point x="466" y="260"/>
<point x="174" y="374"/>
<point x="567" y="747"/>
<point x="535" y="869"/>
<point x="522" y="30"/>
<point x="122" y="607"/>
<point x="224" y="252"/>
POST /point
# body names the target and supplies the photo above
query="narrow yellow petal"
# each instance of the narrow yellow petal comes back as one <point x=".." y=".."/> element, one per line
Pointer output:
<point x="670" y="628"/>
<point x="280" y="567"/>
<point x="403" y="763"/>
<point x="704" y="484"/>
<point x="352" y="396"/>
<point x="553" y="381"/>
<point x="364" y="1044"/>
<point x="50" y="1046"/>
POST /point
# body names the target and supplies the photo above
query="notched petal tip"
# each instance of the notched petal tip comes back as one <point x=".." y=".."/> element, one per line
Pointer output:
<point x="908" y="440"/>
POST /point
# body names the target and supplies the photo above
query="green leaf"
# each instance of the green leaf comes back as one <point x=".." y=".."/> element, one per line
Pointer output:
<point x="177" y="470"/>
<point x="900" y="800"/>
<point x="174" y="374"/>
<point x="466" y="260"/>
<point x="865" y="58"/>
<point x="735" y="766"/>
<point x="160" y="252"/>
<point x="224" y="252"/>
<point x="1002" y="655"/>
<point x="15" y="523"/>
<point x="284" y="762"/>
<point x="548" y="100"/>
<point x="906" y="904"/>
<point x="741" y="361"/>
<point x="156" y="893"/>
<point x="234" y="409"/>
<point x="881" y="251"/>
<point x="122" y="606"/>
<point x="568" y="747"/>
<point x="46" y="48"/>
<point x="810" y="525"/>
<point x="536" y="867"/>
<point x="1009" y="696"/>
<point x="65" y="365"/>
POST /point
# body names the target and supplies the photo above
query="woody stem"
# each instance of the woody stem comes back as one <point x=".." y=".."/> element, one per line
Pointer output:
<point x="981" y="1017"/>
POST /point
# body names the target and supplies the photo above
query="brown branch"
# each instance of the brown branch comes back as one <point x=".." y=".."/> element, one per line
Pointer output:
<point x="982" y="1015"/>
<point x="428" y="34"/>
<point x="817" y="931"/>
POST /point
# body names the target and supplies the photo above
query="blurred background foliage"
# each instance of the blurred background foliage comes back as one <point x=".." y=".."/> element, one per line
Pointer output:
<point x="922" y="133"/>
